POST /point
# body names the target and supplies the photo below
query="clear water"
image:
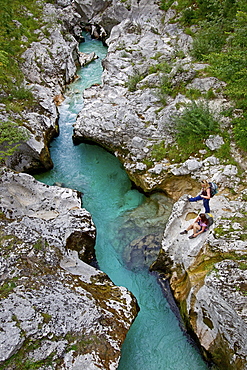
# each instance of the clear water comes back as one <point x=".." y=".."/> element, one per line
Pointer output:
<point x="121" y="215"/>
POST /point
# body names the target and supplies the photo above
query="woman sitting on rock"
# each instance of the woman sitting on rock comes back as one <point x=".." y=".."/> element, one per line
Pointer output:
<point x="199" y="226"/>
<point x="205" y="196"/>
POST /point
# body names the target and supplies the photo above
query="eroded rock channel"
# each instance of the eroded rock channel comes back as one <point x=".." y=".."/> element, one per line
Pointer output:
<point x="41" y="225"/>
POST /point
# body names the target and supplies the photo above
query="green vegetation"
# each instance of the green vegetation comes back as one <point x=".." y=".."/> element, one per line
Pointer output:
<point x="133" y="81"/>
<point x="158" y="151"/>
<point x="10" y="136"/>
<point x="20" y="359"/>
<point x="220" y="39"/>
<point x="226" y="232"/>
<point x="18" y="22"/>
<point x="7" y="287"/>
<point x="47" y="317"/>
<point x="243" y="265"/>
<point x="194" y="125"/>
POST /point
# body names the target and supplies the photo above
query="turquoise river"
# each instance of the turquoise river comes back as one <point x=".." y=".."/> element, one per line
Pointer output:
<point x="121" y="215"/>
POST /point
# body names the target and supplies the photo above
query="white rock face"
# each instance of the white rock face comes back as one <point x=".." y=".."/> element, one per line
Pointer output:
<point x="130" y="121"/>
<point x="208" y="276"/>
<point x="48" y="65"/>
<point x="125" y="114"/>
<point x="53" y="306"/>
<point x="43" y="285"/>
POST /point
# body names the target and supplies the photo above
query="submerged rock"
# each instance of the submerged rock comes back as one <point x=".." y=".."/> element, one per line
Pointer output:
<point x="85" y="58"/>
<point x="55" y="308"/>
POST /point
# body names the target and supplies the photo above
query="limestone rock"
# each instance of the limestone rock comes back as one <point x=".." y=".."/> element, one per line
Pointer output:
<point x="126" y="114"/>
<point x="55" y="308"/>
<point x="208" y="276"/>
<point x="48" y="64"/>
<point x="214" y="142"/>
<point x="85" y="58"/>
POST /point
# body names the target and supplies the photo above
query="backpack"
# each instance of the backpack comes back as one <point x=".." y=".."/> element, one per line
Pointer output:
<point x="210" y="218"/>
<point x="213" y="189"/>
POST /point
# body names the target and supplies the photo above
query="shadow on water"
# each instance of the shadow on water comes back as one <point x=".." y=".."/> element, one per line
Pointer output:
<point x="129" y="230"/>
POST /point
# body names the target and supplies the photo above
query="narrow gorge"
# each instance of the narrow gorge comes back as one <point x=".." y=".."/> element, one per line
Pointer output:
<point x="129" y="232"/>
<point x="57" y="309"/>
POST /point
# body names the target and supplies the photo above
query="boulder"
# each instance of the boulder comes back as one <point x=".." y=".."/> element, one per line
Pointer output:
<point x="85" y="58"/>
<point x="214" y="142"/>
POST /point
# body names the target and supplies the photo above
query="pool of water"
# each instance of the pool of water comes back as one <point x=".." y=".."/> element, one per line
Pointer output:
<point x="126" y="221"/>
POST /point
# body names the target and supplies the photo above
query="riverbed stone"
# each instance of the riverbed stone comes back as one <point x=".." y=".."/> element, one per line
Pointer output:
<point x="85" y="58"/>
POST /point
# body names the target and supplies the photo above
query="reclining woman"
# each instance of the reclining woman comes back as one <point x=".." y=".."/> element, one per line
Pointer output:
<point x="200" y="225"/>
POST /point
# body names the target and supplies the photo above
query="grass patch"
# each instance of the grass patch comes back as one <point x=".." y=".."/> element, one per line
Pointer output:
<point x="7" y="287"/>
<point x="10" y="137"/>
<point x="221" y="41"/>
<point x="18" y="22"/>
<point x="133" y="81"/>
<point x="242" y="265"/>
<point x="159" y="151"/>
<point x="194" y="126"/>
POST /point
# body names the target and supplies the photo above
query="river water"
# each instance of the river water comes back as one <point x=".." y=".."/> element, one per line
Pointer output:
<point x="125" y="219"/>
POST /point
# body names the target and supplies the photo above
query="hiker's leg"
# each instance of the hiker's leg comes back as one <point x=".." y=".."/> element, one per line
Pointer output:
<point x="206" y="205"/>
<point x="196" y="227"/>
<point x="195" y="199"/>
<point x="189" y="227"/>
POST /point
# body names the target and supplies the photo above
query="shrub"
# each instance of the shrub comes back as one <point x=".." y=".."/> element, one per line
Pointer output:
<point x="133" y="81"/>
<point x="209" y="39"/>
<point x="158" y="151"/>
<point x="194" y="125"/>
<point x="10" y="137"/>
<point x="230" y="66"/>
<point x="220" y="40"/>
<point x="240" y="131"/>
<point x="165" y="4"/>
<point x="18" y="21"/>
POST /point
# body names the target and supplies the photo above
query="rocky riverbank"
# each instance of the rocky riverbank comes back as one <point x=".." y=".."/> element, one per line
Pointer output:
<point x="126" y="116"/>
<point x="54" y="307"/>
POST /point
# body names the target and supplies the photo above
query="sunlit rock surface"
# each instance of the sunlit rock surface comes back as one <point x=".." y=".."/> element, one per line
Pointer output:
<point x="126" y="114"/>
<point x="208" y="276"/>
<point x="55" y="308"/>
<point x="48" y="65"/>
